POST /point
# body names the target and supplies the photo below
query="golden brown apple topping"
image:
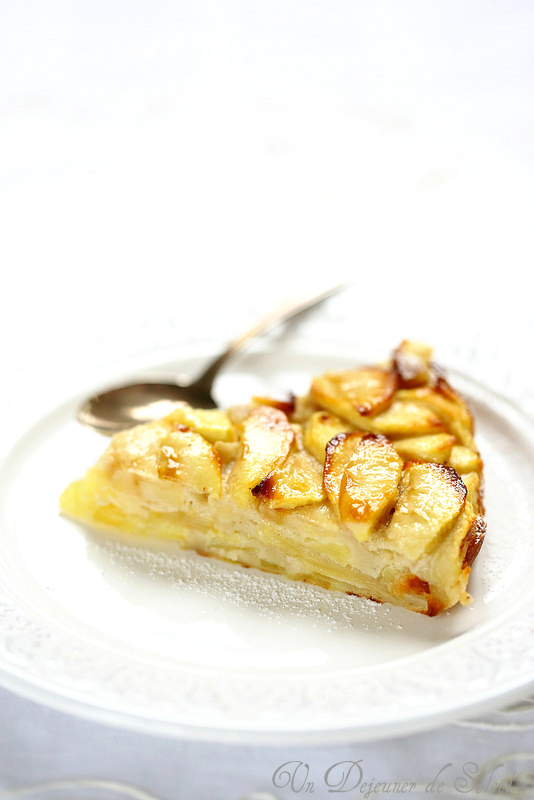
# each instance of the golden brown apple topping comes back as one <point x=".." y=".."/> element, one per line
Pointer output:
<point x="338" y="453"/>
<point x="266" y="442"/>
<point x="369" y="485"/>
<point x="188" y="457"/>
<point x="227" y="451"/>
<point x="213" y="424"/>
<point x="319" y="429"/>
<point x="280" y="463"/>
<point x="361" y="477"/>
<point x="473" y="541"/>
<point x="356" y="394"/>
<point x="408" y="417"/>
<point x="430" y="499"/>
<point x="298" y="482"/>
<point x="474" y="492"/>
<point x="434" y="447"/>
<point x="448" y="406"/>
<point x="287" y="406"/>
<point x="411" y="360"/>
<point x="463" y="459"/>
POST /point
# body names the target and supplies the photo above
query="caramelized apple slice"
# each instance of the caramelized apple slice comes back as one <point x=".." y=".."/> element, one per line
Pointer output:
<point x="435" y="447"/>
<point x="463" y="459"/>
<point x="408" y="418"/>
<point x="412" y="363"/>
<point x="287" y="406"/>
<point x="227" y="451"/>
<point x="338" y="453"/>
<point x="369" y="485"/>
<point x="356" y="394"/>
<point x="213" y="424"/>
<point x="473" y="540"/>
<point x="431" y="498"/>
<point x="461" y="546"/>
<point x="187" y="457"/>
<point x="318" y="430"/>
<point x="298" y="482"/>
<point x="266" y="443"/>
<point x="474" y="493"/>
<point x="448" y="405"/>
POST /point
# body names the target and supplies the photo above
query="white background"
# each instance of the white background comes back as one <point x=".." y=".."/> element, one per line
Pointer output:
<point x="170" y="170"/>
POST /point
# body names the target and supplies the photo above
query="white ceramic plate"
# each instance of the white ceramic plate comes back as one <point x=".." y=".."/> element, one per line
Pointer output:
<point x="171" y="642"/>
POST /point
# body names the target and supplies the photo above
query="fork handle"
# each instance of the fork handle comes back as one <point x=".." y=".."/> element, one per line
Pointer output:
<point x="282" y="313"/>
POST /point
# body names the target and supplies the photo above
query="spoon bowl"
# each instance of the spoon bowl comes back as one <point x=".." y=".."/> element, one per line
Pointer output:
<point x="125" y="406"/>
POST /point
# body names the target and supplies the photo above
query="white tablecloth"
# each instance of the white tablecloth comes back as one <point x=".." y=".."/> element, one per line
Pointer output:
<point x="171" y="170"/>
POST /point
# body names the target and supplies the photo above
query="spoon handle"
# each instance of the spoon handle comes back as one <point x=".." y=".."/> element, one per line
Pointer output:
<point x="282" y="313"/>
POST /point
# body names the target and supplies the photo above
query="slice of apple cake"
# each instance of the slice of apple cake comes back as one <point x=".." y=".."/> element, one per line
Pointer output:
<point x="370" y="484"/>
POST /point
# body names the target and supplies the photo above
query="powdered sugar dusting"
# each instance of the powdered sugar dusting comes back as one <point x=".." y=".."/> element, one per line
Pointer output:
<point x="271" y="596"/>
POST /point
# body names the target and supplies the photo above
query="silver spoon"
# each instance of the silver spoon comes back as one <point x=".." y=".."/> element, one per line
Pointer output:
<point x="126" y="406"/>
